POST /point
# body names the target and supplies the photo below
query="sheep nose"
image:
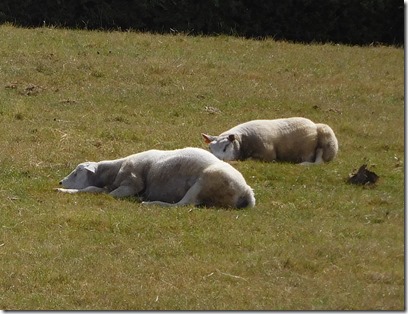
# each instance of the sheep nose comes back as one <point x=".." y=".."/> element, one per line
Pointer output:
<point x="60" y="183"/>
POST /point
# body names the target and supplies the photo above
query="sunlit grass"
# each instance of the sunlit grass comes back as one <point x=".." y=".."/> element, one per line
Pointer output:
<point x="312" y="241"/>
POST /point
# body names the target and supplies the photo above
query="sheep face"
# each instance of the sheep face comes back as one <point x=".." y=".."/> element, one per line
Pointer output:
<point x="80" y="177"/>
<point x="225" y="147"/>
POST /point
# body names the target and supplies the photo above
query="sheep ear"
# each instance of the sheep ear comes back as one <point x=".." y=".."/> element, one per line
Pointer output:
<point x="91" y="167"/>
<point x="208" y="138"/>
<point x="231" y="137"/>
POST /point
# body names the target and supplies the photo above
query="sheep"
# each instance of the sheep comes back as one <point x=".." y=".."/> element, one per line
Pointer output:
<point x="168" y="178"/>
<point x="296" y="140"/>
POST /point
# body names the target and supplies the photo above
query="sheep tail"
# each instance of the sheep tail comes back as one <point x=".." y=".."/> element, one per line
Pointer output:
<point x="246" y="200"/>
<point x="327" y="141"/>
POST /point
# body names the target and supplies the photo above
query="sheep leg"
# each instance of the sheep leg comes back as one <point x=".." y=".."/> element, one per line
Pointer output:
<point x="123" y="191"/>
<point x="159" y="203"/>
<point x="88" y="189"/>
<point x="69" y="191"/>
<point x="318" y="159"/>
<point x="319" y="156"/>
<point x="189" y="198"/>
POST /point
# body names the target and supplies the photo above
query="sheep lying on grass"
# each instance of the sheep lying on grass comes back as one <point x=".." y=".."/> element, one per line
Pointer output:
<point x="170" y="178"/>
<point x="296" y="140"/>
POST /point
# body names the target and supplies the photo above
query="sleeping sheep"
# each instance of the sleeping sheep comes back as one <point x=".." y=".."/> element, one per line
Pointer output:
<point x="296" y="140"/>
<point x="169" y="178"/>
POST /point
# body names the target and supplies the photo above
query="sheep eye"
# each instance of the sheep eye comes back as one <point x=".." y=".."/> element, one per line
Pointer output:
<point x="225" y="148"/>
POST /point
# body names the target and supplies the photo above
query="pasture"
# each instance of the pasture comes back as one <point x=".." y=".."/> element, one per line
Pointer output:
<point x="312" y="242"/>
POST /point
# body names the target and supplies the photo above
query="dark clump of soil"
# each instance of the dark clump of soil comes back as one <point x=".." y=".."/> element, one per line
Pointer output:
<point x="363" y="177"/>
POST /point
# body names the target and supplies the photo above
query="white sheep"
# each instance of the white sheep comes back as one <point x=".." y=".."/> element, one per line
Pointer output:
<point x="296" y="140"/>
<point x="170" y="178"/>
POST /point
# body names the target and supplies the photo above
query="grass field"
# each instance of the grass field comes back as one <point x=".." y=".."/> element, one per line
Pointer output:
<point x="312" y="242"/>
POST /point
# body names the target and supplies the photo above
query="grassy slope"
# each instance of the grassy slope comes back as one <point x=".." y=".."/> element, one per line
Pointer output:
<point x="312" y="242"/>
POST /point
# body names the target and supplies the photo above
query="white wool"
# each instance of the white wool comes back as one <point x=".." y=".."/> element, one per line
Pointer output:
<point x="295" y="139"/>
<point x="175" y="177"/>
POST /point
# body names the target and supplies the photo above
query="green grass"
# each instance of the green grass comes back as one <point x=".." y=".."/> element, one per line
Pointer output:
<point x="311" y="242"/>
